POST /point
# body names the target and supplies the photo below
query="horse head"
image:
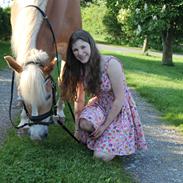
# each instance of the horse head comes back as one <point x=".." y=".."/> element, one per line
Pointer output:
<point x="31" y="34"/>
<point x="35" y="86"/>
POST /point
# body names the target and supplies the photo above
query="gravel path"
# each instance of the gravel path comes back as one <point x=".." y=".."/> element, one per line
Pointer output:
<point x="5" y="87"/>
<point x="161" y="163"/>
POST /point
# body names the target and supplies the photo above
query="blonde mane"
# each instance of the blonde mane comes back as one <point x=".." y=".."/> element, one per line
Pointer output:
<point x="26" y="28"/>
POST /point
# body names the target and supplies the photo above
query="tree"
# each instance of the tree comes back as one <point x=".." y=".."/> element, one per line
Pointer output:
<point x="153" y="18"/>
<point x="111" y="22"/>
<point x="84" y="2"/>
<point x="5" y="27"/>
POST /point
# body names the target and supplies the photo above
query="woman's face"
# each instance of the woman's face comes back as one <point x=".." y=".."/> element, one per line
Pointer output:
<point x="81" y="51"/>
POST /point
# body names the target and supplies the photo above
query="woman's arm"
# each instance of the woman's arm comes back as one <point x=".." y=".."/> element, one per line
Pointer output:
<point x="60" y="102"/>
<point x="115" y="75"/>
<point x="79" y="103"/>
<point x="61" y="73"/>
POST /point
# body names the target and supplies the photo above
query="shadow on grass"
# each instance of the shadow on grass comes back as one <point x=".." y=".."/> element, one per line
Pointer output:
<point x="56" y="159"/>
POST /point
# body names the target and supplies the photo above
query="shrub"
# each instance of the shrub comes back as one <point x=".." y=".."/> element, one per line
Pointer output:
<point x="92" y="18"/>
<point x="5" y="27"/>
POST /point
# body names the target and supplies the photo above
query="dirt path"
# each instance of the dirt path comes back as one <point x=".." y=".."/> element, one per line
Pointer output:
<point x="5" y="84"/>
<point x="163" y="161"/>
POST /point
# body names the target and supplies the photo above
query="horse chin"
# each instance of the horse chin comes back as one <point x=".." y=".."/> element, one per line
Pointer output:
<point x="38" y="132"/>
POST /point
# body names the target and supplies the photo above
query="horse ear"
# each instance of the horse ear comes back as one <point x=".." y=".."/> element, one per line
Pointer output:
<point x="48" y="68"/>
<point x="13" y="64"/>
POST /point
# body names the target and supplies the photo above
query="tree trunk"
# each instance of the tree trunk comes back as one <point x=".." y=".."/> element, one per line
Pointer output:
<point x="167" y="41"/>
<point x="145" y="46"/>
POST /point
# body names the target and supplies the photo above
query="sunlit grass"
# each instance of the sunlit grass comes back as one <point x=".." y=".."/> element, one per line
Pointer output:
<point x="61" y="159"/>
<point x="4" y="50"/>
<point x="58" y="159"/>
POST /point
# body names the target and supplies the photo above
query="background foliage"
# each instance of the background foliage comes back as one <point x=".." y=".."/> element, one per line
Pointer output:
<point x="5" y="28"/>
<point x="128" y="22"/>
<point x="92" y="18"/>
<point x="118" y="21"/>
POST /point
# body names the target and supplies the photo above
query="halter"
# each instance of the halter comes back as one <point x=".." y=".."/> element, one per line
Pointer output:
<point x="53" y="109"/>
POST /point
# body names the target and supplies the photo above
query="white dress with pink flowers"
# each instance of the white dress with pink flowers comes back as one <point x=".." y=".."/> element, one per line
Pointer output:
<point x="125" y="134"/>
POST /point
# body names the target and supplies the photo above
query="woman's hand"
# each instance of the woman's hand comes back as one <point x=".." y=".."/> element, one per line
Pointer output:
<point x="77" y="134"/>
<point x="98" y="132"/>
<point x="92" y="100"/>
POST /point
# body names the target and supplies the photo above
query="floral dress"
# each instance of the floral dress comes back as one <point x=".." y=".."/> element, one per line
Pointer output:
<point x="125" y="134"/>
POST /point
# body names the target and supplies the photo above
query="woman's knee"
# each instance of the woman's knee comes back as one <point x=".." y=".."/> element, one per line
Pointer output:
<point x="86" y="125"/>
<point x="104" y="156"/>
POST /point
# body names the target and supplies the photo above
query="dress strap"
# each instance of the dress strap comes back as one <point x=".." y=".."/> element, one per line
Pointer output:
<point x="106" y="65"/>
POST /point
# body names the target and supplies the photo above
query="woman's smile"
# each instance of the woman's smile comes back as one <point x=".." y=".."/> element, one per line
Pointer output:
<point x="81" y="51"/>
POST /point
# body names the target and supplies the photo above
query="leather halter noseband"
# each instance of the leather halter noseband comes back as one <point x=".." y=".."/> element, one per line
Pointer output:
<point x="53" y="109"/>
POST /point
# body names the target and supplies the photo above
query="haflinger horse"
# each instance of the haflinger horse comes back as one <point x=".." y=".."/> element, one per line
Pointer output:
<point x="33" y="47"/>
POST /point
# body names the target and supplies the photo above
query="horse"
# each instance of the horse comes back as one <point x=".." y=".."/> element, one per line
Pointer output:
<point x="33" y="48"/>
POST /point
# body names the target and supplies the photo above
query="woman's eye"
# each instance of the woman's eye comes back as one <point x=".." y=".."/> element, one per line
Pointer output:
<point x="75" y="50"/>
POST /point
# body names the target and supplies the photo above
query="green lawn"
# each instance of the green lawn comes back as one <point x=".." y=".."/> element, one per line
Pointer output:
<point x="4" y="50"/>
<point x="59" y="159"/>
<point x="160" y="85"/>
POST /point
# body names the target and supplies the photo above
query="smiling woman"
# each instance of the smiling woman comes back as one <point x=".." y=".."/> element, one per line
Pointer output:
<point x="82" y="51"/>
<point x="109" y="123"/>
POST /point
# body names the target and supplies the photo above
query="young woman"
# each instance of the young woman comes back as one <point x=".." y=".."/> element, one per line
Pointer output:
<point x="109" y="123"/>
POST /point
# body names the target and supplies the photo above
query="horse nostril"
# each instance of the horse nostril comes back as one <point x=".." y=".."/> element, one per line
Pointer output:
<point x="48" y="97"/>
<point x="44" y="136"/>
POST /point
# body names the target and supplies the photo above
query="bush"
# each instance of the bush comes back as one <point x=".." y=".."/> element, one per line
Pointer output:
<point x="5" y="27"/>
<point x="92" y="18"/>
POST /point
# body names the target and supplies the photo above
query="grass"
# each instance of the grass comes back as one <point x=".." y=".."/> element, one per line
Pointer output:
<point x="4" y="50"/>
<point x="59" y="159"/>
<point x="160" y="85"/>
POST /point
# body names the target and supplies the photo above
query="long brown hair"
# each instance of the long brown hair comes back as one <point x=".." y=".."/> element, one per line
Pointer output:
<point x="74" y="71"/>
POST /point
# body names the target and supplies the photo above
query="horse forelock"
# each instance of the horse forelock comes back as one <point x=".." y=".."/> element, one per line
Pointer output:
<point x="38" y="56"/>
<point x="26" y="28"/>
<point x="32" y="80"/>
<point x="32" y="86"/>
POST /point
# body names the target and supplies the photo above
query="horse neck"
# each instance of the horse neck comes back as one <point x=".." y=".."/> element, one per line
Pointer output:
<point x="26" y="26"/>
<point x="65" y="18"/>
